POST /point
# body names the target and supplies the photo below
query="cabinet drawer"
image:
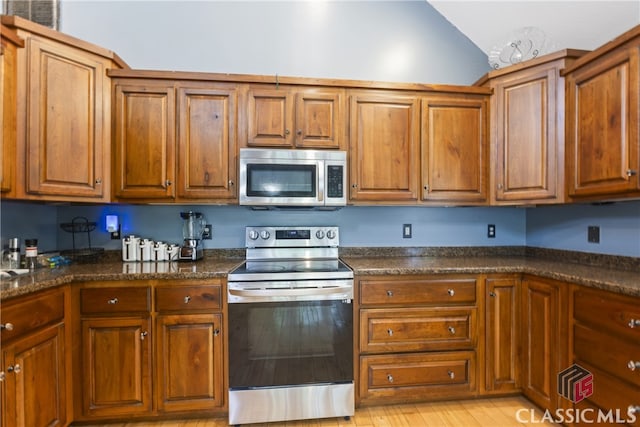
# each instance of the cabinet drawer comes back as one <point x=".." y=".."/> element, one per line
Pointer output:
<point x="115" y="300"/>
<point x="613" y="355"/>
<point x="418" y="291"/>
<point x="607" y="311"/>
<point x="418" y="376"/>
<point x="417" y="329"/>
<point x="188" y="298"/>
<point x="31" y="313"/>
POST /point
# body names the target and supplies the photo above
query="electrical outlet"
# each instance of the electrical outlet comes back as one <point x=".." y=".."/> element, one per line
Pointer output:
<point x="406" y="231"/>
<point x="491" y="231"/>
<point x="593" y="234"/>
<point x="207" y="234"/>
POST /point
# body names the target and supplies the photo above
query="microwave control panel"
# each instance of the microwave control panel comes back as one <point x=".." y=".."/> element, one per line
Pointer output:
<point x="335" y="179"/>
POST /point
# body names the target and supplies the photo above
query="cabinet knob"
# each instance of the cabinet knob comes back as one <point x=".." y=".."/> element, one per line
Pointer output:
<point x="287" y="131"/>
<point x="634" y="323"/>
<point x="299" y="131"/>
<point x="98" y="181"/>
<point x="354" y="185"/>
<point x="216" y="332"/>
<point x="451" y="374"/>
<point x="633" y="365"/>
<point x="231" y="183"/>
<point x="390" y="332"/>
<point x="451" y="292"/>
<point x="499" y="186"/>
<point x="14" y="368"/>
<point x="426" y="188"/>
<point x="143" y="335"/>
<point x="167" y="182"/>
<point x="7" y="326"/>
<point x="187" y="299"/>
<point x="492" y="294"/>
<point x="631" y="172"/>
<point x="389" y="293"/>
<point x="390" y="378"/>
<point x="112" y="301"/>
<point x="452" y="330"/>
<point x="633" y="409"/>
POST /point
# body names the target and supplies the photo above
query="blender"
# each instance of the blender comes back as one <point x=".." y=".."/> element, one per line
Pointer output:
<point x="192" y="229"/>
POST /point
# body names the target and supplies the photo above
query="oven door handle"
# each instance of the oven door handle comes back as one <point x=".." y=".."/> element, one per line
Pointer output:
<point x="275" y="294"/>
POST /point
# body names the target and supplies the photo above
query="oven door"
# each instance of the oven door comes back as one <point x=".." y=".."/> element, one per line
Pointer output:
<point x="296" y="182"/>
<point x="290" y="343"/>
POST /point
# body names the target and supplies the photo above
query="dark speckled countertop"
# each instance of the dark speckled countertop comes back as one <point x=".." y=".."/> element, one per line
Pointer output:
<point x="617" y="274"/>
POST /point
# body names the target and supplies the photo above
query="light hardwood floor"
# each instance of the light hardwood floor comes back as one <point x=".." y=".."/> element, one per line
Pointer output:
<point x="495" y="412"/>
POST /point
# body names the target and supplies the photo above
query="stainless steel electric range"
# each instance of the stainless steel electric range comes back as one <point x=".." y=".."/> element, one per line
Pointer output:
<point x="290" y="327"/>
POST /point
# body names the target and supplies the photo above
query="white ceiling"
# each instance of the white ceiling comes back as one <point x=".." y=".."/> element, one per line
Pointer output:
<point x="564" y="23"/>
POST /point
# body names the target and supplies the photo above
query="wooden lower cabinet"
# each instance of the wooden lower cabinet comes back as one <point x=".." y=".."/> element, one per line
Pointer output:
<point x="605" y="337"/>
<point x="417" y="337"/>
<point x="117" y="366"/>
<point x="502" y="335"/>
<point x="544" y="340"/>
<point x="33" y="387"/>
<point x="149" y="349"/>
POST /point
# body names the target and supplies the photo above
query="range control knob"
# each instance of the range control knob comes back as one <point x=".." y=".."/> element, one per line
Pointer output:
<point x="331" y="234"/>
<point x="265" y="234"/>
<point x="320" y="234"/>
<point x="253" y="234"/>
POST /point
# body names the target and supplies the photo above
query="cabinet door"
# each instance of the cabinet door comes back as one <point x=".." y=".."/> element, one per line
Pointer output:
<point x="384" y="150"/>
<point x="270" y="118"/>
<point x="454" y="149"/>
<point x="602" y="123"/>
<point x="8" y="107"/>
<point x="544" y="337"/>
<point x="116" y="366"/>
<point x="67" y="121"/>
<point x="34" y="385"/>
<point x="189" y="372"/>
<point x="144" y="141"/>
<point x="319" y="119"/>
<point x="502" y="362"/>
<point x="528" y="138"/>
<point x="206" y="143"/>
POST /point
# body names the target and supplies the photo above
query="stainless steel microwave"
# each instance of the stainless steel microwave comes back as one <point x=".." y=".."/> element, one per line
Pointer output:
<point x="293" y="178"/>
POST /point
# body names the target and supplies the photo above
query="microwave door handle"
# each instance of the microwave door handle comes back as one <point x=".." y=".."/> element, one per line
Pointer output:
<point x="321" y="174"/>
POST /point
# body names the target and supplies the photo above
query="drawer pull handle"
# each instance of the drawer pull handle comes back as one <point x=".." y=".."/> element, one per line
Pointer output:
<point x="112" y="301"/>
<point x="633" y="409"/>
<point x="14" y="368"/>
<point x="143" y="335"/>
<point x="451" y="292"/>
<point x="187" y="299"/>
<point x="634" y="323"/>
<point x="7" y="326"/>
<point x="389" y="293"/>
<point x="633" y="365"/>
<point x="452" y="330"/>
<point x="390" y="378"/>
<point x="390" y="332"/>
<point x="451" y="374"/>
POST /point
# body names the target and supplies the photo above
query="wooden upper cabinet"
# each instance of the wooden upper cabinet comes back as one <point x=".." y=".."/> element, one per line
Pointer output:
<point x="527" y="130"/>
<point x="384" y="147"/>
<point x="454" y="148"/>
<point x="602" y="121"/>
<point x="207" y="142"/>
<point x="144" y="140"/>
<point x="291" y="117"/>
<point x="63" y="114"/>
<point x="9" y="44"/>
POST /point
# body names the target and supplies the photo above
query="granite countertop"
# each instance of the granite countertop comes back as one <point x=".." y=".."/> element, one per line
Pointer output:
<point x="617" y="277"/>
<point x="43" y="278"/>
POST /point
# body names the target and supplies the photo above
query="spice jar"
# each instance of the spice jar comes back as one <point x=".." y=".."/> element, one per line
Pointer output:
<point x="31" y="253"/>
